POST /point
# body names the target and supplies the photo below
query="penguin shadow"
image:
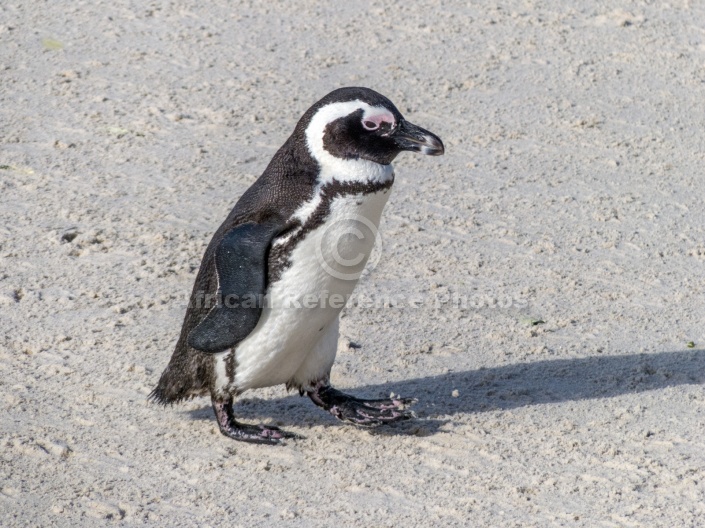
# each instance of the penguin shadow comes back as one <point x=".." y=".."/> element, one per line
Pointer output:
<point x="498" y="388"/>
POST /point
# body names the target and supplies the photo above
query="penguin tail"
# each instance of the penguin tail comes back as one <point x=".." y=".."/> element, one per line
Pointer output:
<point x="165" y="393"/>
<point x="160" y="397"/>
<point x="187" y="375"/>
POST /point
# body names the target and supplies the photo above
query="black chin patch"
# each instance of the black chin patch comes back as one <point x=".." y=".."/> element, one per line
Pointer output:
<point x="346" y="138"/>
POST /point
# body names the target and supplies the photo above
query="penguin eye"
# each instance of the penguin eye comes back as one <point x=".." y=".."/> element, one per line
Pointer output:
<point x="370" y="125"/>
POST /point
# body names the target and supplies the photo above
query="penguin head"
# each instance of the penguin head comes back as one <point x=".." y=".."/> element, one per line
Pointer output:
<point x="361" y="124"/>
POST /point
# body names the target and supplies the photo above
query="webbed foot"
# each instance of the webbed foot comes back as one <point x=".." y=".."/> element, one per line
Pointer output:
<point x="366" y="413"/>
<point x="255" y="434"/>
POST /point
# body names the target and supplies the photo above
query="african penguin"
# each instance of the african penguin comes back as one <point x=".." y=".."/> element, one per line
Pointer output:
<point x="246" y="326"/>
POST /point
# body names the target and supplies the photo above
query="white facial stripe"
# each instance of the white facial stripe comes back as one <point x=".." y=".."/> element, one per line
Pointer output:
<point x="303" y="213"/>
<point x="333" y="168"/>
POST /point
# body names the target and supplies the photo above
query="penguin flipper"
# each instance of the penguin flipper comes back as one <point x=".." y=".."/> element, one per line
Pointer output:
<point x="241" y="265"/>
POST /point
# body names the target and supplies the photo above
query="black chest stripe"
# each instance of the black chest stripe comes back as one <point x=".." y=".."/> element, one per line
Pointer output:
<point x="279" y="257"/>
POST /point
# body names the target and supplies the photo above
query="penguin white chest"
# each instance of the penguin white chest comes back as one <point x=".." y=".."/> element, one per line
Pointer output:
<point x="303" y="305"/>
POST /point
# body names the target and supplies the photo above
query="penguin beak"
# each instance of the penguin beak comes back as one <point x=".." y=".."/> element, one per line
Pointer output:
<point x="408" y="136"/>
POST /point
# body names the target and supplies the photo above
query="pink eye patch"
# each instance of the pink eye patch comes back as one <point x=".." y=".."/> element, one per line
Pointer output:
<point x="374" y="121"/>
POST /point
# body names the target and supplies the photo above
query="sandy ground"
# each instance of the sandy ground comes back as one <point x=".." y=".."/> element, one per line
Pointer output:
<point x="571" y="193"/>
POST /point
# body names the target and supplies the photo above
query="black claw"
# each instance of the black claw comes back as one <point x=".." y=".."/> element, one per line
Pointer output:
<point x="391" y="403"/>
<point x="360" y="414"/>
<point x="254" y="434"/>
<point x="283" y="433"/>
<point x="365" y="413"/>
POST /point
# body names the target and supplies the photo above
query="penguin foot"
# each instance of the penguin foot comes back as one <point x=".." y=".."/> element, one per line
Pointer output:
<point x="365" y="413"/>
<point x="254" y="434"/>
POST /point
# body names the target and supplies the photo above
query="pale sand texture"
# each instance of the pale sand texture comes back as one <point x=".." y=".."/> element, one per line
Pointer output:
<point x="571" y="191"/>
